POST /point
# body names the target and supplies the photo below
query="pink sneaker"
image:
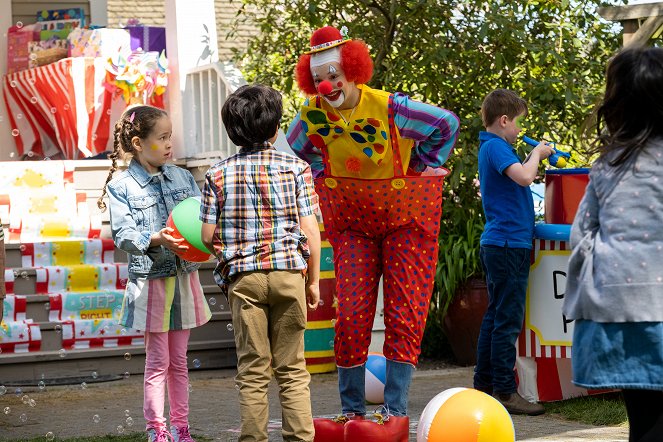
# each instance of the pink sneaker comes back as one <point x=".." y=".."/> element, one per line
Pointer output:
<point x="181" y="434"/>
<point x="159" y="435"/>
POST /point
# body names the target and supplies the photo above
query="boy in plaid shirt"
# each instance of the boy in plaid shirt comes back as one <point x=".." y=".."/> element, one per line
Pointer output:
<point x="258" y="219"/>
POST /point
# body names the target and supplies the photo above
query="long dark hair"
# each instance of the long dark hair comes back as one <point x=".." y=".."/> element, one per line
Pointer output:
<point x="632" y="110"/>
<point x="138" y="122"/>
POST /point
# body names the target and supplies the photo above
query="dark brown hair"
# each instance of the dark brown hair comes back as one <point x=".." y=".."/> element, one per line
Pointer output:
<point x="501" y="102"/>
<point x="632" y="109"/>
<point x="252" y="114"/>
<point x="137" y="121"/>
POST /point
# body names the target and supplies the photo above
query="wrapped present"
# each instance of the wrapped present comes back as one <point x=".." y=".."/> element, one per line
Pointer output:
<point x="58" y="25"/>
<point x="58" y="34"/>
<point x="62" y="14"/>
<point x="147" y="38"/>
<point x="45" y="52"/>
<point x="102" y="42"/>
<point x="17" y="47"/>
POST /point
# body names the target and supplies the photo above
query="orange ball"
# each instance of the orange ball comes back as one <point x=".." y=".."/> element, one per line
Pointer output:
<point x="465" y="415"/>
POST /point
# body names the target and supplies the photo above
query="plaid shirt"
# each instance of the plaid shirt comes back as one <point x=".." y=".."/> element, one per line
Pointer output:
<point x="256" y="198"/>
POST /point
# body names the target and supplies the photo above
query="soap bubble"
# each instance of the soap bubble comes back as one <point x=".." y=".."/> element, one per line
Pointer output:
<point x="196" y="363"/>
<point x="62" y="352"/>
<point x="120" y="429"/>
<point x="83" y="385"/>
<point x="127" y="413"/>
<point x="95" y="375"/>
<point x="126" y="375"/>
<point x="96" y="419"/>
<point x="32" y="403"/>
<point x="41" y="385"/>
<point x="3" y="390"/>
<point x="229" y="327"/>
<point x="23" y="417"/>
<point x="15" y="133"/>
<point x="25" y="399"/>
<point x="129" y="422"/>
<point x="127" y="356"/>
<point x="212" y="301"/>
<point x="7" y="410"/>
<point x="50" y="436"/>
<point x="19" y="24"/>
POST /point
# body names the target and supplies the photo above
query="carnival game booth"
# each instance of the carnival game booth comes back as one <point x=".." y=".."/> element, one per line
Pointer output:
<point x="544" y="347"/>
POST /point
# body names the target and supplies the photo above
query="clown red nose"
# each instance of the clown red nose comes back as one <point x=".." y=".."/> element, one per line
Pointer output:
<point x="325" y="87"/>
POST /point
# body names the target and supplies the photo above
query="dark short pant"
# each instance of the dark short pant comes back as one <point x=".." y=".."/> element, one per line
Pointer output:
<point x="507" y="271"/>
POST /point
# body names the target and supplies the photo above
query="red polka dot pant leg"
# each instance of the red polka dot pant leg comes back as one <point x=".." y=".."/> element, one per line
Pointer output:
<point x="409" y="259"/>
<point x="357" y="264"/>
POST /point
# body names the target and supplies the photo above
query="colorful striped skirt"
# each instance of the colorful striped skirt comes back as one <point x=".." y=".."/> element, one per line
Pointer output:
<point x="160" y="305"/>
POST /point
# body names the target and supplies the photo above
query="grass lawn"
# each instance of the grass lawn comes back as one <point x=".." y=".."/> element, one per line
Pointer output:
<point x="603" y="409"/>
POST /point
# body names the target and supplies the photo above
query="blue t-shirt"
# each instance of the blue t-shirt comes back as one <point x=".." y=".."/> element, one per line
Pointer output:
<point x="508" y="206"/>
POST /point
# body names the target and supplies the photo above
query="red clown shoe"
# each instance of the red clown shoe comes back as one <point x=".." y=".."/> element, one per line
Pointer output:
<point x="386" y="429"/>
<point x="331" y="430"/>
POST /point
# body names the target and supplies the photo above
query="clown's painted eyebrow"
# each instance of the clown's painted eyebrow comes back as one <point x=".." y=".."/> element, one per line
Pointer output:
<point x="332" y="69"/>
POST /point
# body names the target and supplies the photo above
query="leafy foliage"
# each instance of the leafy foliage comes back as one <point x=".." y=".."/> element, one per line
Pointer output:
<point x="452" y="54"/>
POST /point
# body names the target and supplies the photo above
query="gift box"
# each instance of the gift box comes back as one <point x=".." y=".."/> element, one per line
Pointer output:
<point x="17" y="47"/>
<point x="62" y="14"/>
<point x="102" y="42"/>
<point x="58" y="25"/>
<point x="45" y="52"/>
<point x="59" y="34"/>
<point x="148" y="38"/>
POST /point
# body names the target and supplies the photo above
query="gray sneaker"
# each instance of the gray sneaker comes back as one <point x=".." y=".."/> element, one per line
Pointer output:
<point x="516" y="404"/>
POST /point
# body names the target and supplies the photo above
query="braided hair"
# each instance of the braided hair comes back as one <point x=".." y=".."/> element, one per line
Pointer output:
<point x="137" y="121"/>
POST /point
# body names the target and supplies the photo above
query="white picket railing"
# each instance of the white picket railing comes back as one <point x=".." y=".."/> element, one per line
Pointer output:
<point x="208" y="87"/>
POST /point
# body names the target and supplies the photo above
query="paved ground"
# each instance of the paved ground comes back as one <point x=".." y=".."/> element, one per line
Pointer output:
<point x="100" y="408"/>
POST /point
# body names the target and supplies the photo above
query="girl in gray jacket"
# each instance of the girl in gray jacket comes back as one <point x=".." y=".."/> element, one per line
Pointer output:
<point x="615" y="276"/>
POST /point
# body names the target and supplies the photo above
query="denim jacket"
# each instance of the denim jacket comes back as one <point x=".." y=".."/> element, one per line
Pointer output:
<point x="139" y="206"/>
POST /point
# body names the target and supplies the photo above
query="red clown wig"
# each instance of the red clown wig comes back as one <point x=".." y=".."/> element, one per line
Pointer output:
<point x="355" y="60"/>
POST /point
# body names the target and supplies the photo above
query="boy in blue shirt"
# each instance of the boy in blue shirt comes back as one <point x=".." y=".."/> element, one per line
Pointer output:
<point x="506" y="244"/>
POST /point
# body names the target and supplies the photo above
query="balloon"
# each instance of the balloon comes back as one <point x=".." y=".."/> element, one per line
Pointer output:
<point x="185" y="223"/>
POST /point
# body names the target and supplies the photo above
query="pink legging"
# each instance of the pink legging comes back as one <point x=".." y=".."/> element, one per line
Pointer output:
<point x="165" y="363"/>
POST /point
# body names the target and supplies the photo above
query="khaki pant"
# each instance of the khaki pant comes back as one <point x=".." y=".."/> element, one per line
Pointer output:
<point x="269" y="317"/>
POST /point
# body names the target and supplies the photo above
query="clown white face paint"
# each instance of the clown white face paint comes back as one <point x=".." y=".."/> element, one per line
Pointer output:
<point x="344" y="94"/>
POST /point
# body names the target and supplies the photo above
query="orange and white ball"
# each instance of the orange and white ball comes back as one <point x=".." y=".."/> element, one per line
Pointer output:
<point x="465" y="415"/>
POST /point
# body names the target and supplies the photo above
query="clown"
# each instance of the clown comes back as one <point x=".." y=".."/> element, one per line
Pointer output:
<point x="377" y="159"/>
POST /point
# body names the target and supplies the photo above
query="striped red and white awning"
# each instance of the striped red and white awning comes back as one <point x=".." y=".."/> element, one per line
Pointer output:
<point x="62" y="107"/>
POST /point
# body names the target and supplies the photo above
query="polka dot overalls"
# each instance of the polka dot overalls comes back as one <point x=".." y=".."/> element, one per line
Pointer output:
<point x="381" y="227"/>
